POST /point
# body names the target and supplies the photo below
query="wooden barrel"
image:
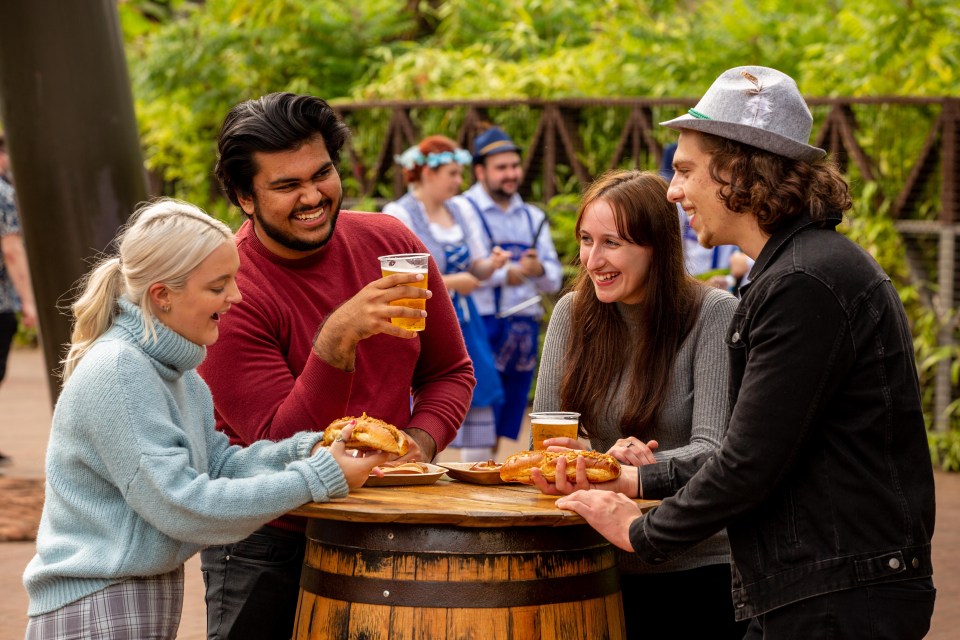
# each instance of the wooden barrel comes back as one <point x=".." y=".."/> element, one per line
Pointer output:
<point x="379" y="581"/>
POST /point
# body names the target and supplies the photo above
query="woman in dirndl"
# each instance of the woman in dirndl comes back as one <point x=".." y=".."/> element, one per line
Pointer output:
<point x="433" y="170"/>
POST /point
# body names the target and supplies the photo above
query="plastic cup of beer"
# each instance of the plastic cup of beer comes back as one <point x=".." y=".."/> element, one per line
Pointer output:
<point x="553" y="424"/>
<point x="408" y="263"/>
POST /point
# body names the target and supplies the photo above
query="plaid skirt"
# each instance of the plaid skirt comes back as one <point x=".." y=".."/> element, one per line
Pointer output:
<point x="135" y="609"/>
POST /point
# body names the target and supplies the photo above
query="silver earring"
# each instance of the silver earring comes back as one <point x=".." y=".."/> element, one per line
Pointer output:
<point x="165" y="308"/>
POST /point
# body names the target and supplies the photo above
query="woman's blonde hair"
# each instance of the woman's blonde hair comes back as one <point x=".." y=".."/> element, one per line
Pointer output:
<point x="164" y="241"/>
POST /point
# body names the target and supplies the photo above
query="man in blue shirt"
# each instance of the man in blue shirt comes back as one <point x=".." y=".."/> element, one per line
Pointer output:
<point x="510" y="300"/>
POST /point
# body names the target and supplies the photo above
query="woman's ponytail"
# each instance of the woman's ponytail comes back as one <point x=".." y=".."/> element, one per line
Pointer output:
<point x="93" y="311"/>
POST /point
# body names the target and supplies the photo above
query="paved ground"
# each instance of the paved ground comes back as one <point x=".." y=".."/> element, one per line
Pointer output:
<point x="25" y="416"/>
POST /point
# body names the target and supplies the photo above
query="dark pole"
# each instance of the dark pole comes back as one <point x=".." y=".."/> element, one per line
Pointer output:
<point x="72" y="136"/>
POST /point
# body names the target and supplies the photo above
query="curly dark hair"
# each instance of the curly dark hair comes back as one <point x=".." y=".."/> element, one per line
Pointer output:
<point x="774" y="188"/>
<point x="274" y="122"/>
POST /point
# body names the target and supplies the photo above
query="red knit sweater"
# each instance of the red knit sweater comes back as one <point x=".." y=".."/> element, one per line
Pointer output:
<point x="268" y="384"/>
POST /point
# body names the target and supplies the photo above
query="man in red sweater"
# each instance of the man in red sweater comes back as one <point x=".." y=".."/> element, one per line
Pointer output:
<point x="312" y="340"/>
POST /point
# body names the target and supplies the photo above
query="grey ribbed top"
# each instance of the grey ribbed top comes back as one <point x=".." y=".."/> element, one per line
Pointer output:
<point x="692" y="419"/>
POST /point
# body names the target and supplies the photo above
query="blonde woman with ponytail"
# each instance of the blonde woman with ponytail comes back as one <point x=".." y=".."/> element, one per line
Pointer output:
<point x="138" y="479"/>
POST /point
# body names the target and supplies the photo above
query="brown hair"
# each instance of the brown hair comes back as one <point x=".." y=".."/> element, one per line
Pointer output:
<point x="772" y="187"/>
<point x="668" y="310"/>
<point x="430" y="144"/>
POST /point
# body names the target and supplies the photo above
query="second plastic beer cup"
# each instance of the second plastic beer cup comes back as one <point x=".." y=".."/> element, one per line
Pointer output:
<point x="553" y="424"/>
<point x="408" y="263"/>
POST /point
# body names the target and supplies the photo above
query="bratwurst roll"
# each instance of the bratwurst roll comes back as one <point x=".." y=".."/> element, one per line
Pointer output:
<point x="600" y="466"/>
<point x="369" y="434"/>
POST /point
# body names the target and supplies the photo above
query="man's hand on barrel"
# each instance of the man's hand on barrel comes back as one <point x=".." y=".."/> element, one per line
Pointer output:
<point x="356" y="465"/>
<point x="610" y="513"/>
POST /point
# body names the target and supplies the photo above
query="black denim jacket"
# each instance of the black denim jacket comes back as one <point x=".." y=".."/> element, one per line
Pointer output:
<point x="823" y="480"/>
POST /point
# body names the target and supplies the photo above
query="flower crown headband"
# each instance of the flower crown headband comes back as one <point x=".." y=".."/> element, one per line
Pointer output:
<point x="413" y="157"/>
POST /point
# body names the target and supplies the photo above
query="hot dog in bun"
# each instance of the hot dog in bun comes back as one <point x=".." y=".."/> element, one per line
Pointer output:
<point x="600" y="466"/>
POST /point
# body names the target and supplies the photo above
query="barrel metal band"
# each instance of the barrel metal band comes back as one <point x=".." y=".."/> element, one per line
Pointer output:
<point x="491" y="594"/>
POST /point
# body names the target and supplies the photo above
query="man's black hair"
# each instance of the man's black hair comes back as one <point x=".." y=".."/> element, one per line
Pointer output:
<point x="275" y="122"/>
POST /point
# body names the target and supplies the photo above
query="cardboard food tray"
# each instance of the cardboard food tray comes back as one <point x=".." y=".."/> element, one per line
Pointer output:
<point x="406" y="479"/>
<point x="461" y="471"/>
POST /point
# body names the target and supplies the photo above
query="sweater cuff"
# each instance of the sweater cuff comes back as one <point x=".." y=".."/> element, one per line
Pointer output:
<point x="325" y="479"/>
<point x="306" y="441"/>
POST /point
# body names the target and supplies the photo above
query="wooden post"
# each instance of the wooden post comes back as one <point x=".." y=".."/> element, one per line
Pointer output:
<point x="942" y="386"/>
<point x="949" y="214"/>
<point x="68" y="114"/>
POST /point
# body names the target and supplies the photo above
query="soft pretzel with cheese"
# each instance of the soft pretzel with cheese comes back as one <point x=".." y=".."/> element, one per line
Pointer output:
<point x="369" y="434"/>
<point x="601" y="467"/>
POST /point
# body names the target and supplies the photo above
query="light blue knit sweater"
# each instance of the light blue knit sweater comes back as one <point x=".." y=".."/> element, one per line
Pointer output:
<point x="138" y="480"/>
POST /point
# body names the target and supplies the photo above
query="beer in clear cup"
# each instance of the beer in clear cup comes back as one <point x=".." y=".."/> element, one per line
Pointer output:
<point x="408" y="263"/>
<point x="553" y="424"/>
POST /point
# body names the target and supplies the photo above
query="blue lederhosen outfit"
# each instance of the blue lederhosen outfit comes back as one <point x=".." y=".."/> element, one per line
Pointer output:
<point x="513" y="338"/>
<point x="479" y="429"/>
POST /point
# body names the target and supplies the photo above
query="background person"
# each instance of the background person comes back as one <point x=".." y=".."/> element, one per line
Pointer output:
<point x="669" y="385"/>
<point x="16" y="294"/>
<point x="433" y="169"/>
<point x="824" y="480"/>
<point x="504" y="220"/>
<point x="137" y="478"/>
<point x="313" y="341"/>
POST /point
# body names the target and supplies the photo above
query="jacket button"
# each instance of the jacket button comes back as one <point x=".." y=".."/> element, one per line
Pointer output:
<point x="894" y="563"/>
<point x="915" y="563"/>
<point x="735" y="337"/>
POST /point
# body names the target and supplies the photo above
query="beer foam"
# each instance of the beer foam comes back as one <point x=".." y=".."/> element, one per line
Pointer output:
<point x="553" y="421"/>
<point x="398" y="269"/>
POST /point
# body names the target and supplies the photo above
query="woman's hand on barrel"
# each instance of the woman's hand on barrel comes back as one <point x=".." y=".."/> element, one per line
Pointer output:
<point x="634" y="451"/>
<point x="610" y="513"/>
<point x="356" y="466"/>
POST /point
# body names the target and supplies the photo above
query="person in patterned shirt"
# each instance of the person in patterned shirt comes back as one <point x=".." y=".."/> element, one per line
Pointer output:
<point x="15" y="291"/>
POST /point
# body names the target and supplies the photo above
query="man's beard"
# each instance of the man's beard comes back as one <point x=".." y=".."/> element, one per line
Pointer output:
<point x="499" y="194"/>
<point x="290" y="241"/>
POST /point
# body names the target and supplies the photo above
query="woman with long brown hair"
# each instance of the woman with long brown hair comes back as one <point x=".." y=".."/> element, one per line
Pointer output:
<point x="637" y="349"/>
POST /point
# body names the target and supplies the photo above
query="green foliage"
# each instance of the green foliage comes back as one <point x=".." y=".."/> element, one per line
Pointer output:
<point x="945" y="449"/>
<point x="192" y="60"/>
<point x="188" y="72"/>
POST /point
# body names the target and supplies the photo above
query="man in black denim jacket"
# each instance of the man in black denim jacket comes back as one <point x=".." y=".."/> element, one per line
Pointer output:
<point x="824" y="480"/>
